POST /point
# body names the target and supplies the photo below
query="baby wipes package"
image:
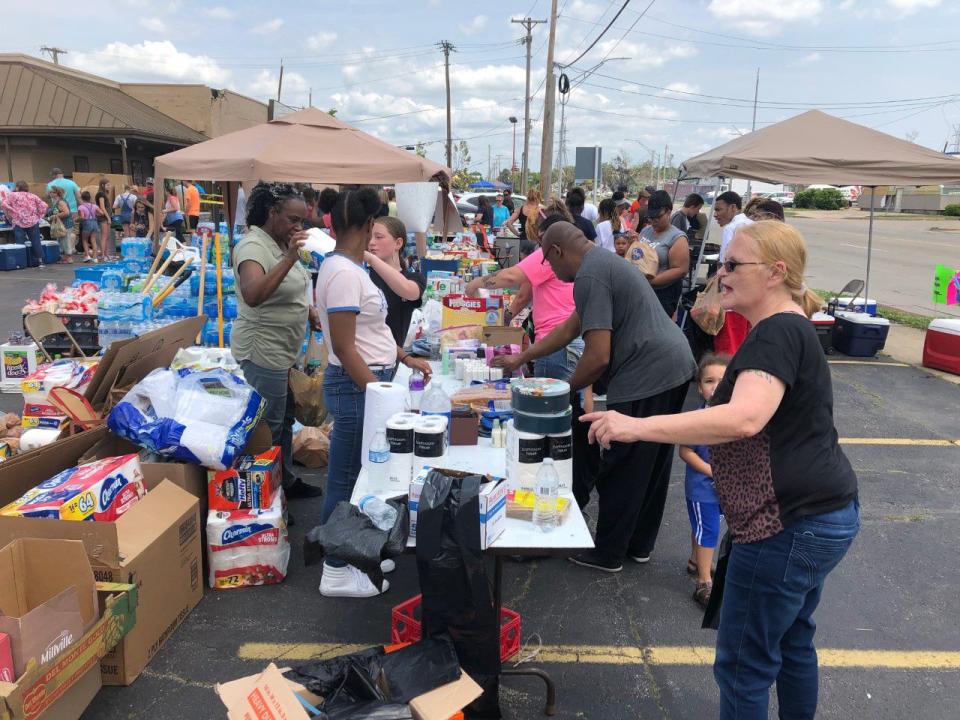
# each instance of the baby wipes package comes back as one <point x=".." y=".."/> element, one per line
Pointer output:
<point x="248" y="547"/>
<point x="101" y="491"/>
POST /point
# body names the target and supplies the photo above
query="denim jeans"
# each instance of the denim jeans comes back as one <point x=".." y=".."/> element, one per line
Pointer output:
<point x="345" y="400"/>
<point x="559" y="365"/>
<point x="31" y="238"/>
<point x="274" y="388"/>
<point x="766" y="620"/>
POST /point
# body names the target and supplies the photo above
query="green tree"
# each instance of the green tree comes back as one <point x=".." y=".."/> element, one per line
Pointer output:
<point x="461" y="156"/>
<point x="505" y="176"/>
<point x="421" y="150"/>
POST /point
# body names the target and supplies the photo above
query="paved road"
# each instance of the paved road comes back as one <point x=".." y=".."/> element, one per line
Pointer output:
<point x="904" y="255"/>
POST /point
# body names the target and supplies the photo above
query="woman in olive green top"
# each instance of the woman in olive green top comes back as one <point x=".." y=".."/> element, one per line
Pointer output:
<point x="272" y="311"/>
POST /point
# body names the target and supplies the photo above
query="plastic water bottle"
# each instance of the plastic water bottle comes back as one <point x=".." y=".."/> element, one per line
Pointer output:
<point x="382" y="514"/>
<point x="545" y="515"/>
<point x="416" y="390"/>
<point x="436" y="402"/>
<point x="379" y="456"/>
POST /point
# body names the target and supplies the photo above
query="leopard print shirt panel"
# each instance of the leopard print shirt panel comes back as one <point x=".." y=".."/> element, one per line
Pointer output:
<point x="743" y="479"/>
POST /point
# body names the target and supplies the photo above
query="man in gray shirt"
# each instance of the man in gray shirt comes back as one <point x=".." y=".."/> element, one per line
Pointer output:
<point x="634" y="352"/>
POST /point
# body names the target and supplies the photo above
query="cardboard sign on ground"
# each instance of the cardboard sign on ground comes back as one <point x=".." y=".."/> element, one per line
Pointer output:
<point x="267" y="696"/>
<point x="156" y="544"/>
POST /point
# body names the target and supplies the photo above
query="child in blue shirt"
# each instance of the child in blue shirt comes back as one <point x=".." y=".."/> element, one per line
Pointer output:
<point x="703" y="506"/>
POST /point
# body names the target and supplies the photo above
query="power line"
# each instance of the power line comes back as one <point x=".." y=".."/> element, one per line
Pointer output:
<point x="603" y="32"/>
<point x="639" y="17"/>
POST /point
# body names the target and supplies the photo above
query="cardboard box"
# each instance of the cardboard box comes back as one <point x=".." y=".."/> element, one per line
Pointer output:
<point x="62" y="689"/>
<point x="156" y="544"/>
<point x="493" y="504"/>
<point x="446" y="700"/>
<point x="494" y="335"/>
<point x="48" y="599"/>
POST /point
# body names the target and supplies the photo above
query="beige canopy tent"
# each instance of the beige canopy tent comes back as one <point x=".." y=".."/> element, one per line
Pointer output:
<point x="818" y="148"/>
<point x="308" y="146"/>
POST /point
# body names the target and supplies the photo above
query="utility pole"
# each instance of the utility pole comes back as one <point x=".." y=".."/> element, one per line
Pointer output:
<point x="489" y="166"/>
<point x="310" y="98"/>
<point x="549" y="106"/>
<point x="280" y="81"/>
<point x="54" y="53"/>
<point x="753" y="126"/>
<point x="447" y="47"/>
<point x="527" y="23"/>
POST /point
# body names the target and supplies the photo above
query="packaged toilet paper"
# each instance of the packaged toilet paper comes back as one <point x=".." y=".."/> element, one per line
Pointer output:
<point x="248" y="547"/>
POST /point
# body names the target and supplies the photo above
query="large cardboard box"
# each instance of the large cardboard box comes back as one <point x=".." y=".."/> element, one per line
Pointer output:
<point x="155" y="545"/>
<point x="48" y="598"/>
<point x="494" y="335"/>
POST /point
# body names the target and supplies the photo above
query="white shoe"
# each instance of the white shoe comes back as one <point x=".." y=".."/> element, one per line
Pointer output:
<point x="348" y="581"/>
<point x="387" y="566"/>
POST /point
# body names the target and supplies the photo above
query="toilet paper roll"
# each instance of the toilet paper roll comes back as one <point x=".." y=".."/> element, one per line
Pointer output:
<point x="429" y="440"/>
<point x="381" y="401"/>
<point x="525" y="453"/>
<point x="540" y="395"/>
<point x="400" y="436"/>
<point x="560" y="449"/>
<point x="37" y="438"/>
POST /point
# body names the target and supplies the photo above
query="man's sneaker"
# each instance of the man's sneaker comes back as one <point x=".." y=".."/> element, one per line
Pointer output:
<point x="593" y="559"/>
<point x="348" y="581"/>
<point x="387" y="566"/>
<point x="88" y="259"/>
<point x="642" y="559"/>
<point x="300" y="490"/>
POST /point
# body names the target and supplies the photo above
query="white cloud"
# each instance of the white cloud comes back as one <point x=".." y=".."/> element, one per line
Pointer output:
<point x="682" y="87"/>
<point x="219" y="12"/>
<point x="762" y="17"/>
<point x="810" y="58"/>
<point x="474" y="26"/>
<point x="263" y="86"/>
<point x="321" y="40"/>
<point x="150" y="60"/>
<point x="908" y="7"/>
<point x="271" y="26"/>
<point x="153" y="24"/>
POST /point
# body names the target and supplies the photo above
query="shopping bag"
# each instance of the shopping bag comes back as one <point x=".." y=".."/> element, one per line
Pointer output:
<point x="309" y="407"/>
<point x="311" y="446"/>
<point x="707" y="312"/>
<point x="57" y="228"/>
<point x="644" y="257"/>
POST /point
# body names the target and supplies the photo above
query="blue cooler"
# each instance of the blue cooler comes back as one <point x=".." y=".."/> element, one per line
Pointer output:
<point x="51" y="251"/>
<point x="13" y="256"/>
<point x="860" y="334"/>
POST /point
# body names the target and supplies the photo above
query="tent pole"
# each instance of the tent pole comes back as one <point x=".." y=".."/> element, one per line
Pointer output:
<point x="676" y="187"/>
<point x="866" y="285"/>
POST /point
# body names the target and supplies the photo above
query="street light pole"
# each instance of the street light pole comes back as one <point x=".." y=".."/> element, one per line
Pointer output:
<point x="513" y="159"/>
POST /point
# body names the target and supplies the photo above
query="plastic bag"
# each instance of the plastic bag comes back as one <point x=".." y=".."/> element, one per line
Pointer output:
<point x="351" y="536"/>
<point x="644" y="256"/>
<point x="197" y="417"/>
<point x="457" y="597"/>
<point x="707" y="312"/>
<point x="309" y="407"/>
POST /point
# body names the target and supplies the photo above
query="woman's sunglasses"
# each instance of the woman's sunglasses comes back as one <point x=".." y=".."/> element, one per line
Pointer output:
<point x="732" y="265"/>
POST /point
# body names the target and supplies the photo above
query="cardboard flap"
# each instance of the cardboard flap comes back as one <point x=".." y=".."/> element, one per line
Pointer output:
<point x="134" y="359"/>
<point x="265" y="696"/>
<point x="99" y="538"/>
<point x="446" y="700"/>
<point x="146" y="520"/>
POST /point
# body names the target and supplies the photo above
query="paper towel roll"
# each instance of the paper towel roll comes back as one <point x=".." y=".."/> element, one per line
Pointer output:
<point x="429" y="440"/>
<point x="560" y="448"/>
<point x="37" y="438"/>
<point x="381" y="401"/>
<point x="400" y="436"/>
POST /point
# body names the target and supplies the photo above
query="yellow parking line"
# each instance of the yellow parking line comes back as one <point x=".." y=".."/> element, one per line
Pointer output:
<point x="928" y="442"/>
<point x="632" y="655"/>
<point x="868" y="362"/>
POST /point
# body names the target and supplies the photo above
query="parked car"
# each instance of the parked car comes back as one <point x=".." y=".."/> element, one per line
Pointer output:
<point x="784" y="198"/>
<point x="467" y="203"/>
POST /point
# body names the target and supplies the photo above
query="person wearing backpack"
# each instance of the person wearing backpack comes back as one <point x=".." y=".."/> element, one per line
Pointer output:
<point x="124" y="208"/>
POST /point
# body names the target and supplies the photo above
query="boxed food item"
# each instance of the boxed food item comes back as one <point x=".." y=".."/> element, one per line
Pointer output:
<point x="248" y="547"/>
<point x="250" y="485"/>
<point x="102" y="491"/>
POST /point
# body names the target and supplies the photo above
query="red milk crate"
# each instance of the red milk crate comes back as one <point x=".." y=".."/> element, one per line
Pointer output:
<point x="406" y="628"/>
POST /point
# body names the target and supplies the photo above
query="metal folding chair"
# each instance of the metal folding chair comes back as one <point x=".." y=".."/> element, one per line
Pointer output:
<point x="44" y="324"/>
<point x="852" y="290"/>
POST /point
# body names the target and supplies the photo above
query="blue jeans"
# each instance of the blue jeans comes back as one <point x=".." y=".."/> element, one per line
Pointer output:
<point x="278" y="414"/>
<point x="345" y="400"/>
<point x="559" y="365"/>
<point x="766" y="620"/>
<point x="31" y="238"/>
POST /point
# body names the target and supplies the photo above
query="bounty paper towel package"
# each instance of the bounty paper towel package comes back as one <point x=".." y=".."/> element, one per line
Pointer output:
<point x="101" y="491"/>
<point x="250" y="485"/>
<point x="248" y="547"/>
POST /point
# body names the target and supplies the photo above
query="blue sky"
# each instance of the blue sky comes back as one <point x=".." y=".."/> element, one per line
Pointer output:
<point x="687" y="81"/>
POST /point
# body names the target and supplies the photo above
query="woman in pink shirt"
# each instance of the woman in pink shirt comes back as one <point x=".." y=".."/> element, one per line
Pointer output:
<point x="24" y="211"/>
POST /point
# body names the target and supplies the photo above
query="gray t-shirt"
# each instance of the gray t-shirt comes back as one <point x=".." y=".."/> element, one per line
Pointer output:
<point x="648" y="352"/>
<point x="662" y="242"/>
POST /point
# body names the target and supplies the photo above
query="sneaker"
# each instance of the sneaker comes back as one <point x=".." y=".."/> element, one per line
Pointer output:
<point x="88" y="259"/>
<point x="387" y="566"/>
<point x="348" y="581"/>
<point x="41" y="266"/>
<point x="596" y="561"/>
<point x="642" y="559"/>
<point x="300" y="490"/>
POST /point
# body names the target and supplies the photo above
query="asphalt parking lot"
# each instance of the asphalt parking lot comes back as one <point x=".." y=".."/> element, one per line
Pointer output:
<point x="630" y="645"/>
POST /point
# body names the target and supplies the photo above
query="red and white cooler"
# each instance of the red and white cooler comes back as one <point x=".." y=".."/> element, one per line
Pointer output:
<point x="823" y="324"/>
<point x="941" y="349"/>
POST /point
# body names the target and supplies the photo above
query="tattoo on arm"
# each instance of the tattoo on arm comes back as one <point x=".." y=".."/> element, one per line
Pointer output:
<point x="489" y="281"/>
<point x="762" y="374"/>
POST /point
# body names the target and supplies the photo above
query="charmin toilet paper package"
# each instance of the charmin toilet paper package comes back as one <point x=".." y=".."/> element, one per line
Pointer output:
<point x="248" y="547"/>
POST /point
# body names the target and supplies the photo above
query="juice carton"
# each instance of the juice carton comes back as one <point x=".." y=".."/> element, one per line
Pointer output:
<point x="101" y="490"/>
<point x="251" y="485"/>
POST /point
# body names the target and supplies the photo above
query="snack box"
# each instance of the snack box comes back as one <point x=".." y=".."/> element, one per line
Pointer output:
<point x="251" y="485"/>
<point x="100" y="491"/>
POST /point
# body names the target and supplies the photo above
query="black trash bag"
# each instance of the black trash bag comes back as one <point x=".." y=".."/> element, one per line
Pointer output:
<point x="457" y="597"/>
<point x="419" y="668"/>
<point x="351" y="536"/>
<point x="326" y="677"/>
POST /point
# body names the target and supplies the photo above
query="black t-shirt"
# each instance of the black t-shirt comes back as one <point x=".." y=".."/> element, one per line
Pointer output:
<point x="106" y="203"/>
<point x="486" y="215"/>
<point x="399" y="311"/>
<point x="586" y="227"/>
<point x="794" y="467"/>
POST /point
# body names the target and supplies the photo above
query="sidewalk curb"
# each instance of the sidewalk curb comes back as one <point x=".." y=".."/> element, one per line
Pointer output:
<point x="905" y="344"/>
